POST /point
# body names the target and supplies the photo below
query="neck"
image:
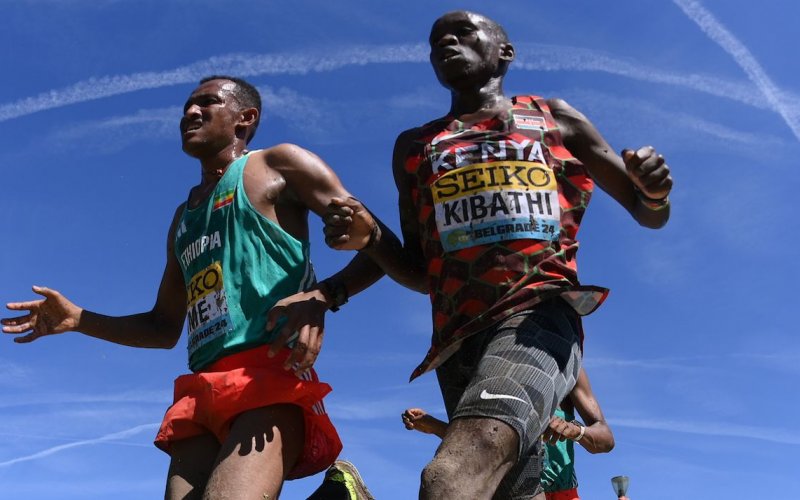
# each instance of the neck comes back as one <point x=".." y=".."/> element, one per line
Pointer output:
<point x="213" y="167"/>
<point x="488" y="97"/>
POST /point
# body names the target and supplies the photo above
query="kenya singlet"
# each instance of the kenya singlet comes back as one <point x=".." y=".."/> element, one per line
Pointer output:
<point x="236" y="265"/>
<point x="499" y="205"/>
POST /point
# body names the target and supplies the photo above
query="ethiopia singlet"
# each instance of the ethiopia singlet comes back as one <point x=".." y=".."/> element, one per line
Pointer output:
<point x="499" y="203"/>
<point x="236" y="265"/>
<point x="558" y="470"/>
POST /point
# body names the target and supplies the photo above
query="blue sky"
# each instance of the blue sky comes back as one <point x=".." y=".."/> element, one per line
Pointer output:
<point x="692" y="356"/>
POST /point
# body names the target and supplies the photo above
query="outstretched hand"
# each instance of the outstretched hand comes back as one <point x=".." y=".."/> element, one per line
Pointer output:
<point x="51" y="315"/>
<point x="648" y="171"/>
<point x="305" y="314"/>
<point x="348" y="224"/>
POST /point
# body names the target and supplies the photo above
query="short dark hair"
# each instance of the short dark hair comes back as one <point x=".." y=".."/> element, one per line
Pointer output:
<point x="245" y="93"/>
<point x="498" y="32"/>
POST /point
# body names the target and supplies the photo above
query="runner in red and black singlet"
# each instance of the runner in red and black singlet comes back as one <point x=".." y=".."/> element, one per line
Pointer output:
<point x="501" y="191"/>
<point x="490" y="235"/>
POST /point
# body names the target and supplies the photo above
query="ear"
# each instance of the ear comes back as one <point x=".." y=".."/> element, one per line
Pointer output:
<point x="507" y="52"/>
<point x="248" y="117"/>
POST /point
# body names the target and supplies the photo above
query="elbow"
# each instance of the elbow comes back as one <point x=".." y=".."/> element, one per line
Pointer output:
<point x="415" y="286"/>
<point x="602" y="439"/>
<point x="165" y="333"/>
<point x="169" y="343"/>
<point x="419" y="284"/>
<point x="605" y="444"/>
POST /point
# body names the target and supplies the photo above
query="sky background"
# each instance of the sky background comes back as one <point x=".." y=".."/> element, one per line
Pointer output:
<point x="693" y="357"/>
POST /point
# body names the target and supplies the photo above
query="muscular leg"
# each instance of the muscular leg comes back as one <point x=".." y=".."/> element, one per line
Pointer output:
<point x="475" y="455"/>
<point x="191" y="464"/>
<point x="260" y="451"/>
<point x="514" y="373"/>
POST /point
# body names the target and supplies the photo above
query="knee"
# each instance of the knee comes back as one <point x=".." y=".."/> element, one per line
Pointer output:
<point x="439" y="474"/>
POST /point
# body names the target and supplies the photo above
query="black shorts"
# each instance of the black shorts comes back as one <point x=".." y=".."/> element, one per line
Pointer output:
<point x="516" y="371"/>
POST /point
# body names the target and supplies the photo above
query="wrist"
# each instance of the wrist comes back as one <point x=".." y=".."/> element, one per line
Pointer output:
<point x="581" y="430"/>
<point x="653" y="204"/>
<point x="374" y="236"/>
<point x="335" y="293"/>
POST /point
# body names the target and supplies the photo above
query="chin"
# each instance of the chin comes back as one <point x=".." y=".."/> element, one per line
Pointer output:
<point x="193" y="150"/>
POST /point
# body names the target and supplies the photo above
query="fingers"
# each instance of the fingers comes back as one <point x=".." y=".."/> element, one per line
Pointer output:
<point x="45" y="292"/>
<point x="22" y="306"/>
<point x="21" y="327"/>
<point x="635" y="159"/>
<point x="337" y="226"/>
<point x="274" y="314"/>
<point x="306" y="349"/>
<point x="416" y="413"/>
<point x="556" y="430"/>
<point x="649" y="171"/>
<point x="408" y="420"/>
<point x="27" y="338"/>
<point x="283" y="337"/>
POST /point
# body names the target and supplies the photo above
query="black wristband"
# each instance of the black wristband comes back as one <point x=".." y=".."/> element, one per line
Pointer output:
<point x="373" y="236"/>
<point x="335" y="291"/>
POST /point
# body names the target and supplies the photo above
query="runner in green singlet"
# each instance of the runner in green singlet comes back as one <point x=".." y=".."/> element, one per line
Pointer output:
<point x="235" y="250"/>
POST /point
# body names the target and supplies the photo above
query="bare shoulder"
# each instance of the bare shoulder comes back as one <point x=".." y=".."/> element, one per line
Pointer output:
<point x="173" y="226"/>
<point x="176" y="217"/>
<point x="570" y="120"/>
<point x="287" y="155"/>
<point x="577" y="131"/>
<point x="403" y="143"/>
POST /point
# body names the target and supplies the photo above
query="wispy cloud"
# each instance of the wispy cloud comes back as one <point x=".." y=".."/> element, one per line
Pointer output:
<point x="641" y="364"/>
<point x="112" y="134"/>
<point x="744" y="58"/>
<point x="244" y="65"/>
<point x="102" y="439"/>
<point x="13" y="374"/>
<point x="715" y="428"/>
<point x="686" y="363"/>
<point x="61" y="399"/>
<point x="370" y="407"/>
<point x="538" y="57"/>
<point x="631" y="114"/>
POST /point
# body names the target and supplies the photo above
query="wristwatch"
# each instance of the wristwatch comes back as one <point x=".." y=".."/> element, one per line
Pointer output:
<point x="583" y="430"/>
<point x="335" y="291"/>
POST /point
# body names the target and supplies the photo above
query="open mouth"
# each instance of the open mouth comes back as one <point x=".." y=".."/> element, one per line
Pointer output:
<point x="448" y="55"/>
<point x="192" y="127"/>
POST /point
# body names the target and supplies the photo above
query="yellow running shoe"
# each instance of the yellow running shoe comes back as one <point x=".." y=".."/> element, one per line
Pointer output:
<point x="342" y="482"/>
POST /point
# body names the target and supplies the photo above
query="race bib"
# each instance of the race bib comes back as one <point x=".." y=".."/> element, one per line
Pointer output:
<point x="503" y="200"/>
<point x="207" y="307"/>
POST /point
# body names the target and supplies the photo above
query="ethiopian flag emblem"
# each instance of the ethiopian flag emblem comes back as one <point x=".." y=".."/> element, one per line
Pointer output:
<point x="223" y="199"/>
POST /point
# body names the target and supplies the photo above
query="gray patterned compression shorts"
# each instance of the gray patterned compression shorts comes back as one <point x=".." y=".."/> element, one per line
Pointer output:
<point x="516" y="371"/>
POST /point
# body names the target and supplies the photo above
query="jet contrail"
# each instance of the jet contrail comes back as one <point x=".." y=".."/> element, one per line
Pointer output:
<point x="236" y="64"/>
<point x="743" y="57"/>
<point x="55" y="449"/>
<point x="537" y="57"/>
<point x="716" y="428"/>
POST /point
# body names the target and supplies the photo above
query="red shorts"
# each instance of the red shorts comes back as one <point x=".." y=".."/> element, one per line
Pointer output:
<point x="209" y="400"/>
<point x="563" y="495"/>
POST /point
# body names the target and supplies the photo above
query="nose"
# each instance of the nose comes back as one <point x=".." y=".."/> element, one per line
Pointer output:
<point x="446" y="39"/>
<point x="193" y="111"/>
